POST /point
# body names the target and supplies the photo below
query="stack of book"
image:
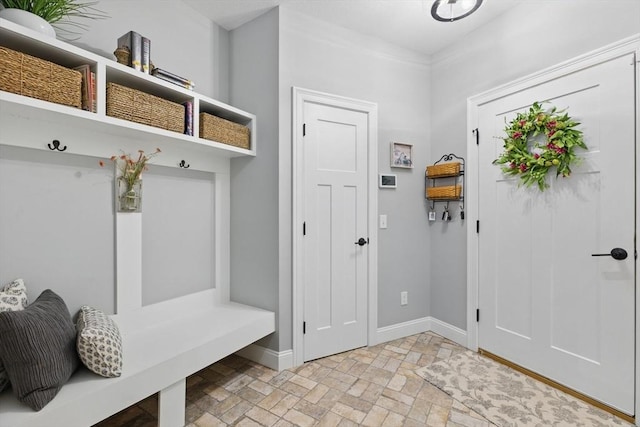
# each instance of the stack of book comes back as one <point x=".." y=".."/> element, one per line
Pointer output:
<point x="172" y="78"/>
<point x="140" y="51"/>
<point x="89" y="93"/>
<point x="188" y="117"/>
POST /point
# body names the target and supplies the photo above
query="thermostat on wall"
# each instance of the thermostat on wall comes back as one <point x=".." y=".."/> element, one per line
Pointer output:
<point x="387" y="181"/>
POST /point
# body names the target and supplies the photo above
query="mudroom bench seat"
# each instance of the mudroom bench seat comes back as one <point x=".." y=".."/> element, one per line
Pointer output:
<point x="162" y="345"/>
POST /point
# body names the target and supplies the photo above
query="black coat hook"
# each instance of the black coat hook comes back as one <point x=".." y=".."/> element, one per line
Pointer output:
<point x="183" y="164"/>
<point x="56" y="146"/>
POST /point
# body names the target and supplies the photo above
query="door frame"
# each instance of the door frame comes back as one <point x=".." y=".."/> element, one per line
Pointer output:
<point x="614" y="50"/>
<point x="300" y="97"/>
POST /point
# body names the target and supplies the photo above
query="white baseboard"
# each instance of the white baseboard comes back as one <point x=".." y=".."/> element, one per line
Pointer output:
<point x="448" y="331"/>
<point x="276" y="360"/>
<point x="401" y="330"/>
<point x="282" y="360"/>
<point x="425" y="324"/>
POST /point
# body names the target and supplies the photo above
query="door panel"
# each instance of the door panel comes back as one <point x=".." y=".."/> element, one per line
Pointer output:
<point x="335" y="212"/>
<point x="547" y="304"/>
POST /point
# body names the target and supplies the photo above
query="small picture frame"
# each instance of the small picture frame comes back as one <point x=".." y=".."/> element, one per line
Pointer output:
<point x="401" y="155"/>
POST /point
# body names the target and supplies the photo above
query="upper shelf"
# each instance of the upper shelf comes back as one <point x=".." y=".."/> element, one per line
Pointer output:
<point x="27" y="41"/>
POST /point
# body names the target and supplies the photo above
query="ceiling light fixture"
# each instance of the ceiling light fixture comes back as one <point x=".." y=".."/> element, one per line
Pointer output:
<point x="453" y="10"/>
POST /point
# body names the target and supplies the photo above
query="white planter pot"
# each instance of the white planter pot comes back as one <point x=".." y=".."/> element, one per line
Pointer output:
<point x="28" y="20"/>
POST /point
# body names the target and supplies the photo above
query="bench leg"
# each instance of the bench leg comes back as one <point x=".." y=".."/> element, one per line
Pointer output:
<point x="171" y="405"/>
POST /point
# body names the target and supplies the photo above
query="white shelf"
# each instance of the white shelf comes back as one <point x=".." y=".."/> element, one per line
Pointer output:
<point x="23" y="110"/>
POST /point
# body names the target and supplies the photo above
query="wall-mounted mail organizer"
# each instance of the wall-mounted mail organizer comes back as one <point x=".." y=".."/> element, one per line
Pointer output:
<point x="444" y="183"/>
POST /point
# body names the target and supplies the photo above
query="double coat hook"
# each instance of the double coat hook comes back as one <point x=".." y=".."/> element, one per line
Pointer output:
<point x="56" y="146"/>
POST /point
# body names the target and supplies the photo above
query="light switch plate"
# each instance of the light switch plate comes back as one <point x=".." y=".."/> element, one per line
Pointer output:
<point x="383" y="221"/>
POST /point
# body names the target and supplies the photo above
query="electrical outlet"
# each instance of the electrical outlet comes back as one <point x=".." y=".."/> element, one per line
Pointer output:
<point x="383" y="221"/>
<point x="404" y="298"/>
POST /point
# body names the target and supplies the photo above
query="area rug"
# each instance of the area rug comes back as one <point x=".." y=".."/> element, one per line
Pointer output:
<point x="508" y="398"/>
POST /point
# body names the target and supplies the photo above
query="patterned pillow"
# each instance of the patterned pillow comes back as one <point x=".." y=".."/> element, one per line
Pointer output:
<point x="99" y="343"/>
<point x="38" y="349"/>
<point x="13" y="297"/>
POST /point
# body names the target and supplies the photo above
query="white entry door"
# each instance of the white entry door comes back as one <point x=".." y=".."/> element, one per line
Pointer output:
<point x="335" y="146"/>
<point x="545" y="302"/>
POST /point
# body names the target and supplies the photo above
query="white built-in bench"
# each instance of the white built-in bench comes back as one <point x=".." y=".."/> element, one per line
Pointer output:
<point x="162" y="345"/>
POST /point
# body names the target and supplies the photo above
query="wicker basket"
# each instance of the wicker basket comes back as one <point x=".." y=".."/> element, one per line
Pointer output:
<point x="444" y="192"/>
<point x="443" y="169"/>
<point x="29" y="76"/>
<point x="218" y="129"/>
<point x="140" y="107"/>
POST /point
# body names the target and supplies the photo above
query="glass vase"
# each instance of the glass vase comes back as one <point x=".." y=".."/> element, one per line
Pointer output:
<point x="129" y="197"/>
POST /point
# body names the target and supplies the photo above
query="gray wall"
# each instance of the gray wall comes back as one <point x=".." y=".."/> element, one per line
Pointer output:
<point x="178" y="236"/>
<point x="56" y="226"/>
<point x="270" y="55"/>
<point x="318" y="56"/>
<point x="255" y="277"/>
<point x="508" y="48"/>
<point x="420" y="104"/>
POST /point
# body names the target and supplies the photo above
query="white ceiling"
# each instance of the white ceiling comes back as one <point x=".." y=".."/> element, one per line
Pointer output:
<point x="405" y="23"/>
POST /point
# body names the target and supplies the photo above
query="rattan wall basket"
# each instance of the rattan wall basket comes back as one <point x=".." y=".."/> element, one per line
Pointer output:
<point x="221" y="130"/>
<point x="36" y="78"/>
<point x="443" y="169"/>
<point x="141" y="107"/>
<point x="444" y="192"/>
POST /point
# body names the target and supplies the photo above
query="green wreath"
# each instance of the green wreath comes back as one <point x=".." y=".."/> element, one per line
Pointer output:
<point x="533" y="163"/>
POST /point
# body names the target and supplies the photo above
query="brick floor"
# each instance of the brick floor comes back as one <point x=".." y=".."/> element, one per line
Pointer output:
<point x="369" y="386"/>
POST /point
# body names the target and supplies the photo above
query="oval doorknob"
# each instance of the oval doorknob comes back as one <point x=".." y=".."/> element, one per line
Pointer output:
<point x="616" y="253"/>
<point x="362" y="241"/>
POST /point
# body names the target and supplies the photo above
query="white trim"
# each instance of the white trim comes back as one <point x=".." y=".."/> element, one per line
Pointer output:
<point x="471" y="199"/>
<point x="276" y="360"/>
<point x="614" y="50"/>
<point x="402" y="330"/>
<point x="418" y="326"/>
<point x="300" y="96"/>
<point x="637" y="382"/>
<point x="222" y="236"/>
<point x="128" y="262"/>
<point x="448" y="331"/>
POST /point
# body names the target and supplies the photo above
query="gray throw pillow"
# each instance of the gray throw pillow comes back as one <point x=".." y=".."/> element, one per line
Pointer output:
<point x="37" y="346"/>
<point x="13" y="297"/>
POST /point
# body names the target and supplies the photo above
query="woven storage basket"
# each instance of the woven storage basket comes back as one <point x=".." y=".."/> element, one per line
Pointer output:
<point x="444" y="192"/>
<point x="140" y="107"/>
<point x="218" y="129"/>
<point x="29" y="76"/>
<point x="443" y="169"/>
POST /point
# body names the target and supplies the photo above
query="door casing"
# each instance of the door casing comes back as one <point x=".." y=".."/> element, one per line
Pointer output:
<point x="623" y="47"/>
<point x="300" y="97"/>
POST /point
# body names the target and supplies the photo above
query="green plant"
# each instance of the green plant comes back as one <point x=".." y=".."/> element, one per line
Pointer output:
<point x="59" y="12"/>
<point x="532" y="161"/>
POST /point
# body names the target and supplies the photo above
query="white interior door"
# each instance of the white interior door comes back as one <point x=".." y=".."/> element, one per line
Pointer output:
<point x="545" y="302"/>
<point x="335" y="174"/>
